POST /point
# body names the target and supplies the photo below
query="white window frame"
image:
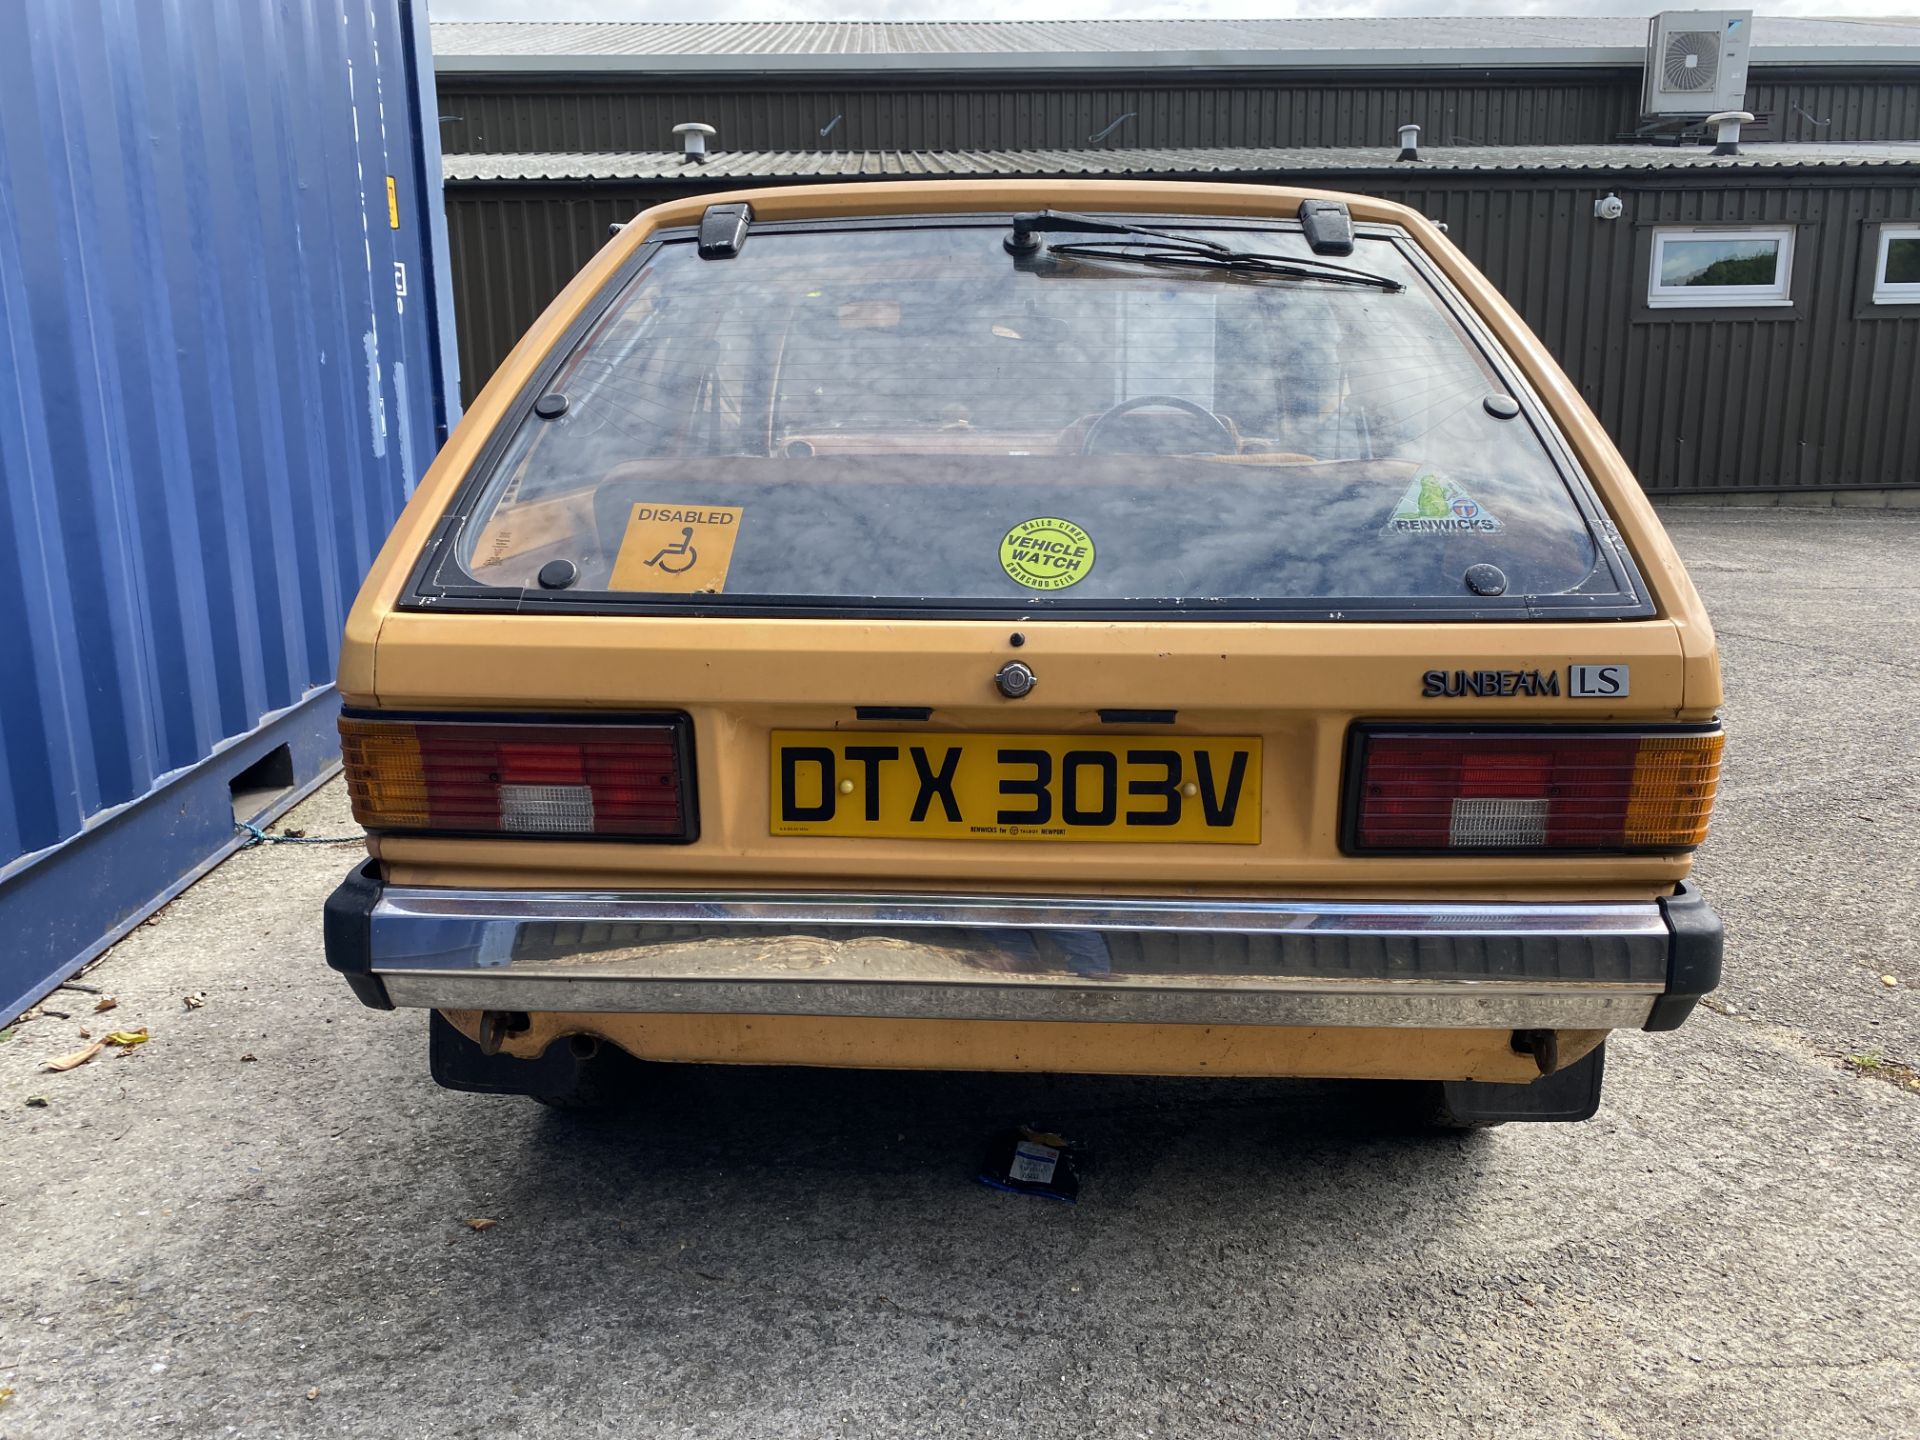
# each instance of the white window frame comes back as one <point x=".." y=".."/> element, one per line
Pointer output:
<point x="1887" y="292"/>
<point x="1721" y="297"/>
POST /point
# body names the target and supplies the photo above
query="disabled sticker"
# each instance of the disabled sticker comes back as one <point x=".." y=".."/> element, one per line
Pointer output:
<point x="677" y="549"/>
<point x="1047" y="553"/>
<point x="1434" y="506"/>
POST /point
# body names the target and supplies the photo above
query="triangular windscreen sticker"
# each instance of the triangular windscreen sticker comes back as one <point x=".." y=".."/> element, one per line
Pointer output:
<point x="1436" y="506"/>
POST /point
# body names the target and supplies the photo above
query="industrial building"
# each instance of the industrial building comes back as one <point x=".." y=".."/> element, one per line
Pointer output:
<point x="1566" y="157"/>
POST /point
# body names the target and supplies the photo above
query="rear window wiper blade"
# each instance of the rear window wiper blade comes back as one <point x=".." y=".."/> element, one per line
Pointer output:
<point x="1242" y="262"/>
<point x="1148" y="246"/>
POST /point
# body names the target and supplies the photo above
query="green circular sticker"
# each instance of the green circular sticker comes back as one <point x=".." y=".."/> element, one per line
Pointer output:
<point x="1047" y="554"/>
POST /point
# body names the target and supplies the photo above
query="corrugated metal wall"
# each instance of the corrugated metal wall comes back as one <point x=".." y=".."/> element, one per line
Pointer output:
<point x="1858" y="108"/>
<point x="512" y="253"/>
<point x="544" y="114"/>
<point x="1823" y="398"/>
<point x="222" y="368"/>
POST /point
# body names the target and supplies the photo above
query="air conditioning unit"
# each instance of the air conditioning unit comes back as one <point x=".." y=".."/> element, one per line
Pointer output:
<point x="1696" y="62"/>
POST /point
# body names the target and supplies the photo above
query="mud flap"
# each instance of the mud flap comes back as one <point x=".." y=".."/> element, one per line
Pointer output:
<point x="459" y="1064"/>
<point x="1566" y="1095"/>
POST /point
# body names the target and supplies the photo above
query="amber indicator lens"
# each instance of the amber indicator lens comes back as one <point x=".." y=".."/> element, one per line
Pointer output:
<point x="502" y="778"/>
<point x="1534" y="791"/>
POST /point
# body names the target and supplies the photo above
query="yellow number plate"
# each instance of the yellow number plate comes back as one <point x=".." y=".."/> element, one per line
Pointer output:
<point x="1157" y="789"/>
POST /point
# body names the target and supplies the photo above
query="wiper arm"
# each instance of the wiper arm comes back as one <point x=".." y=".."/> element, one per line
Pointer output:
<point x="1244" y="262"/>
<point x="1026" y="231"/>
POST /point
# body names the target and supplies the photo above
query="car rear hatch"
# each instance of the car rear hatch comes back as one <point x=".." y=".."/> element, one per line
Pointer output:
<point x="923" y="566"/>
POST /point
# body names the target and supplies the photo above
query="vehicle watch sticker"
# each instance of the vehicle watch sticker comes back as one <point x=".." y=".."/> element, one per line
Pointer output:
<point x="677" y="549"/>
<point x="1436" y="506"/>
<point x="1047" y="553"/>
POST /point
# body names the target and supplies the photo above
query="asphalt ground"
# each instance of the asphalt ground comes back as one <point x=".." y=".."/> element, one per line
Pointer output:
<point x="254" y="1224"/>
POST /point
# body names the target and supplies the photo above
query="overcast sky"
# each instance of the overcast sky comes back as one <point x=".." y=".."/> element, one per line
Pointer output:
<point x="1096" y="9"/>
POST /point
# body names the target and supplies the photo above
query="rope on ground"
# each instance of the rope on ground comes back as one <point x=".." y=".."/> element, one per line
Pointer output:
<point x="257" y="836"/>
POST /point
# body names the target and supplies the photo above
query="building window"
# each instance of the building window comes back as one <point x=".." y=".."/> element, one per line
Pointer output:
<point x="1896" y="274"/>
<point x="1720" y="267"/>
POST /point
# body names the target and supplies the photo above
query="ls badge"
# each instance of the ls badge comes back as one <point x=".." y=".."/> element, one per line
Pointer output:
<point x="1597" y="682"/>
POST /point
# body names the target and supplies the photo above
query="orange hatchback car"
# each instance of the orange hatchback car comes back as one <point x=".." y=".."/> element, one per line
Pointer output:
<point x="1145" y="628"/>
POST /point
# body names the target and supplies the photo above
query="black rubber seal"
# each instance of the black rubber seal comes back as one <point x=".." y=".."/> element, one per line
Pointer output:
<point x="347" y="924"/>
<point x="1693" y="959"/>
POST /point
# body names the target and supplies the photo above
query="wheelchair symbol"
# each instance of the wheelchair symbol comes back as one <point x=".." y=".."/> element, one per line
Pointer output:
<point x="684" y="548"/>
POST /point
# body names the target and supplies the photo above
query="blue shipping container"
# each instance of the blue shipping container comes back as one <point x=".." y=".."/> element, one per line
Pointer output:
<point x="223" y="366"/>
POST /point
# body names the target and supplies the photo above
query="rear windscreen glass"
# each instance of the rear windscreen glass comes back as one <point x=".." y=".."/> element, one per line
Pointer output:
<point x="877" y="417"/>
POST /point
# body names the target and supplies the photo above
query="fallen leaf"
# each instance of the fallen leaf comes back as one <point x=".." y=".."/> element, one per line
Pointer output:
<point x="479" y="1223"/>
<point x="6" y="1393"/>
<point x="77" y="1058"/>
<point x="36" y="1102"/>
<point x="6" y="1035"/>
<point x="105" y="1003"/>
<point x="127" y="1039"/>
<point x="194" y="1002"/>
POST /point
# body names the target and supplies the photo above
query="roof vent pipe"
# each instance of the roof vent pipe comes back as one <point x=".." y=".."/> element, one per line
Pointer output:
<point x="1727" y="134"/>
<point x="693" y="141"/>
<point x="1409" y="142"/>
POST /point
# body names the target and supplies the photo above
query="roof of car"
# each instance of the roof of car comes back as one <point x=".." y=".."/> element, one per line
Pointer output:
<point x="1222" y="162"/>
<point x="1377" y="42"/>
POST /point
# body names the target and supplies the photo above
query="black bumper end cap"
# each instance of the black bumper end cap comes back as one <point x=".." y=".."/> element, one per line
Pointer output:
<point x="348" y="928"/>
<point x="1693" y="961"/>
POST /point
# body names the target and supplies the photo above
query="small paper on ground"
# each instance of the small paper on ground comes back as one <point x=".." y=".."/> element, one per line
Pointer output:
<point x="74" y="1059"/>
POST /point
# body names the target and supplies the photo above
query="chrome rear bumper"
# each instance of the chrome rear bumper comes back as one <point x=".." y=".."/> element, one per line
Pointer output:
<point x="1596" y="965"/>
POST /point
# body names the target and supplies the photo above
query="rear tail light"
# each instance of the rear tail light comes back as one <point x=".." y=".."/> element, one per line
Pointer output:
<point x="625" y="779"/>
<point x="1531" y="790"/>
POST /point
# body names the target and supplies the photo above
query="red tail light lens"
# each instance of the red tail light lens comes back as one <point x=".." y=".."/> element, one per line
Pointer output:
<point x="629" y="780"/>
<point x="1441" y="791"/>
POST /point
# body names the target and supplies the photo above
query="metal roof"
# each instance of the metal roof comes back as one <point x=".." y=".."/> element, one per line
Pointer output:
<point x="875" y="164"/>
<point x="574" y="47"/>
